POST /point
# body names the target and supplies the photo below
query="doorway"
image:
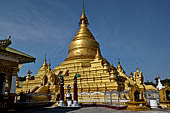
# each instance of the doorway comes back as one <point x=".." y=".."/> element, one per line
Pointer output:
<point x="2" y="78"/>
<point x="167" y="94"/>
<point x="45" y="80"/>
<point x="136" y="95"/>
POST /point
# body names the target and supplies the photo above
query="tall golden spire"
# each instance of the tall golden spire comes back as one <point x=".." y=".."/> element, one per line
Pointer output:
<point x="137" y="69"/>
<point x="83" y="18"/>
<point x="131" y="75"/>
<point x="29" y="72"/>
<point x="28" y="75"/>
<point x="119" y="67"/>
<point x="44" y="66"/>
<point x="49" y="65"/>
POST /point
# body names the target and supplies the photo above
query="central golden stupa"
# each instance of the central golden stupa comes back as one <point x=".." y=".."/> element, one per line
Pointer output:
<point x="98" y="76"/>
<point x="84" y="57"/>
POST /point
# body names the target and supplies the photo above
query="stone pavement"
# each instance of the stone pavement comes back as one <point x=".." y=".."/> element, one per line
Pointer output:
<point x="89" y="110"/>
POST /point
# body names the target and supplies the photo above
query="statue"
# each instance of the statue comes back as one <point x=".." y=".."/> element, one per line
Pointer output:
<point x="69" y="96"/>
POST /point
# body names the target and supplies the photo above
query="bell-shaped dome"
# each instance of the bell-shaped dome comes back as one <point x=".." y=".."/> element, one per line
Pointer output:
<point x="84" y="45"/>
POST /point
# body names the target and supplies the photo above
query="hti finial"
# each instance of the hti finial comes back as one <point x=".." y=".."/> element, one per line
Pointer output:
<point x="29" y="72"/>
<point x="45" y="56"/>
<point x="158" y="76"/>
<point x="45" y="59"/>
<point x="137" y="69"/>
<point x="118" y="60"/>
<point x="9" y="37"/>
<point x="45" y="62"/>
<point x="131" y="73"/>
<point x="49" y="63"/>
<point x="83" y="5"/>
<point x="83" y="18"/>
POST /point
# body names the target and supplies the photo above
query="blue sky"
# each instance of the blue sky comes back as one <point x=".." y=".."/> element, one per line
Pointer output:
<point x="136" y="31"/>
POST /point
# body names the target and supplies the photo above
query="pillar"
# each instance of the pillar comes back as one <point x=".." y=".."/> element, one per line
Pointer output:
<point x="75" y="102"/>
<point x="61" y="104"/>
<point x="75" y="91"/>
<point x="62" y="91"/>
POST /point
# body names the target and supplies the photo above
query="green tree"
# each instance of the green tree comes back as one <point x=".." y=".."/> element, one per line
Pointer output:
<point x="166" y="81"/>
<point x="149" y="83"/>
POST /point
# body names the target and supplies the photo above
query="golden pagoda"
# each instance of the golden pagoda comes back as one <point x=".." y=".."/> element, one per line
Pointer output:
<point x="98" y="76"/>
<point x="84" y="57"/>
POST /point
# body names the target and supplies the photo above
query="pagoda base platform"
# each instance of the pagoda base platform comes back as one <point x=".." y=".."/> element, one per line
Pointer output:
<point x="164" y="105"/>
<point x="137" y="106"/>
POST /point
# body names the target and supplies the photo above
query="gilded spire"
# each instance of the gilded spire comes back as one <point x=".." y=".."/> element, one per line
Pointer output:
<point x="28" y="75"/>
<point x="49" y="65"/>
<point x="83" y="18"/>
<point x="131" y="75"/>
<point x="119" y="67"/>
<point x="137" y="69"/>
<point x="98" y="55"/>
<point x="29" y="72"/>
<point x="44" y="66"/>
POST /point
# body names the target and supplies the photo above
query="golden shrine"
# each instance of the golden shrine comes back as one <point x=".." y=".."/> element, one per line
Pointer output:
<point x="97" y="74"/>
<point x="165" y="97"/>
<point x="137" y="99"/>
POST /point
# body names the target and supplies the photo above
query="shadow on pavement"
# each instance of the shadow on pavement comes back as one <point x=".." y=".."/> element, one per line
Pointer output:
<point x="47" y="110"/>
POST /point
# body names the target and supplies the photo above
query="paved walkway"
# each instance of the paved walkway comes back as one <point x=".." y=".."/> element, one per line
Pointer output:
<point x="89" y="110"/>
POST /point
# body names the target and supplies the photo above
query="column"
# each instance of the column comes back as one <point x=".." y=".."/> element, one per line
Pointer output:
<point x="12" y="92"/>
<point x="75" y="102"/>
<point x="61" y="104"/>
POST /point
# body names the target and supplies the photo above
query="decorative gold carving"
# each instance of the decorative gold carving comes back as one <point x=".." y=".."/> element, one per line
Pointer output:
<point x="5" y="43"/>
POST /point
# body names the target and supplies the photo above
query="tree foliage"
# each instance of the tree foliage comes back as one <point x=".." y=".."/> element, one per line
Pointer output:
<point x="24" y="78"/>
<point x="164" y="82"/>
<point x="150" y="83"/>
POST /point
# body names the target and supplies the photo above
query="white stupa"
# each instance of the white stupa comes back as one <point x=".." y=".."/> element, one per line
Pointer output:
<point x="159" y="85"/>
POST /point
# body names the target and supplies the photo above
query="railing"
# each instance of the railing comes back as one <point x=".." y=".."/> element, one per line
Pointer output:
<point x="3" y="105"/>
